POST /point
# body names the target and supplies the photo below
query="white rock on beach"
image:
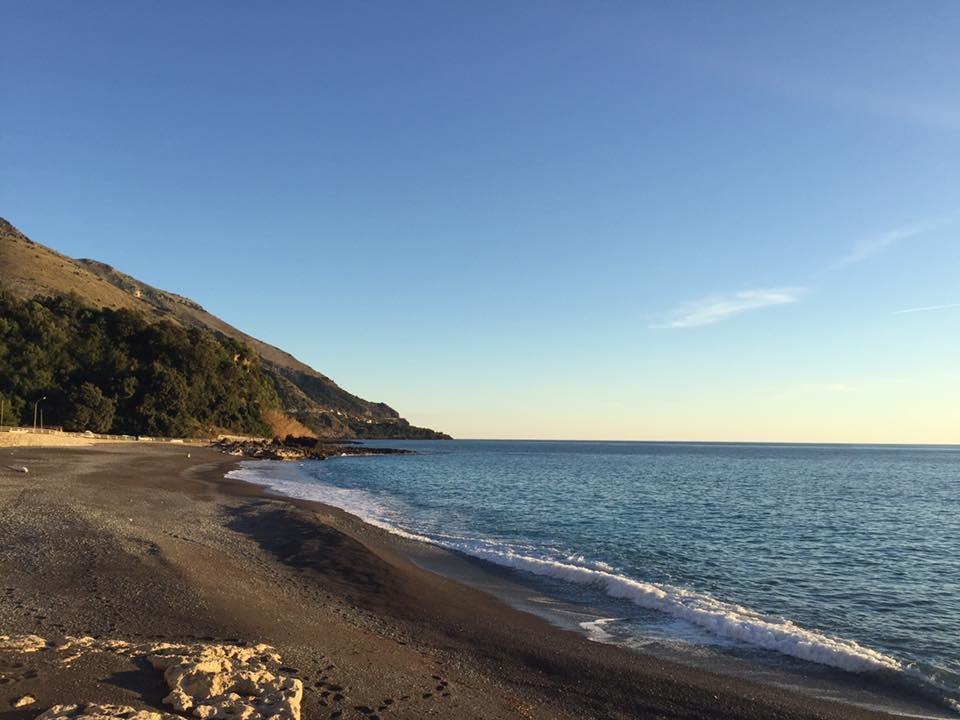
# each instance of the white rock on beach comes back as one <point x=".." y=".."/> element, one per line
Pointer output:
<point x="227" y="681"/>
<point x="22" y="643"/>
<point x="86" y="642"/>
<point x="95" y="711"/>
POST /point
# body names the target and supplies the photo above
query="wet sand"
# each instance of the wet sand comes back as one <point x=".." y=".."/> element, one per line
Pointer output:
<point x="138" y="542"/>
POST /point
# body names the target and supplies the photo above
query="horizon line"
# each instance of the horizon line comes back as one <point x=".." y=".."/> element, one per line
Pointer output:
<point x="691" y="442"/>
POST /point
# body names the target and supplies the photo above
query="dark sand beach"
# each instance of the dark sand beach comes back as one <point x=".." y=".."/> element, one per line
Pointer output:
<point x="141" y="543"/>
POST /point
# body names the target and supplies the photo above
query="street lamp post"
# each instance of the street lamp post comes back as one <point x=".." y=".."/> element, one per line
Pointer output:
<point x="35" y="405"/>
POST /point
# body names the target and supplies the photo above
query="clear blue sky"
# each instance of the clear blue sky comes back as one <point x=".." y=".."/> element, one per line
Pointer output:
<point x="538" y="219"/>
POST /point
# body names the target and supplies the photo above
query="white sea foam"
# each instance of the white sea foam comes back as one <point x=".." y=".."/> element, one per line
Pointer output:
<point x="583" y="561"/>
<point x="595" y="631"/>
<point x="284" y="480"/>
<point x="722" y="619"/>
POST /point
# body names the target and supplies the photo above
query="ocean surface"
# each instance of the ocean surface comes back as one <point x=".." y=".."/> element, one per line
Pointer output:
<point x="817" y="558"/>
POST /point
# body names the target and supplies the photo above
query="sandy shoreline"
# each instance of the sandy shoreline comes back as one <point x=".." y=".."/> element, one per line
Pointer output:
<point x="138" y="542"/>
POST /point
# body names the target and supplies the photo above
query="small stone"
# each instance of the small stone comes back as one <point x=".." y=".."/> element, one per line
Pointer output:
<point x="24" y="701"/>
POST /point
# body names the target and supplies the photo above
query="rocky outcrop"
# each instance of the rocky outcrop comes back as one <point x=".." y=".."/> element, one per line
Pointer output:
<point x="263" y="450"/>
<point x="297" y="448"/>
<point x="227" y="681"/>
<point x="211" y="681"/>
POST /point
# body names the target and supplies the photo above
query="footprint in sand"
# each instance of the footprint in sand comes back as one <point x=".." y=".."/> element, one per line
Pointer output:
<point x="442" y="686"/>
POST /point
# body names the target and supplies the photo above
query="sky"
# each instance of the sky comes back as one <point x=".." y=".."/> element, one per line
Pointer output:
<point x="598" y="220"/>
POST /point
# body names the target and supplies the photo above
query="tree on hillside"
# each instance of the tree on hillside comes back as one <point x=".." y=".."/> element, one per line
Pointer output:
<point x="89" y="409"/>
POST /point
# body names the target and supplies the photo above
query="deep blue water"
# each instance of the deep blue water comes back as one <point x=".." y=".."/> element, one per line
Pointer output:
<point x="844" y="556"/>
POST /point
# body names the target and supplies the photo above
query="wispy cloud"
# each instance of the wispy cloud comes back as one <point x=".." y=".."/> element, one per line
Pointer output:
<point x="948" y="306"/>
<point x="716" y="308"/>
<point x="870" y="247"/>
<point x="935" y="114"/>
<point x="897" y="104"/>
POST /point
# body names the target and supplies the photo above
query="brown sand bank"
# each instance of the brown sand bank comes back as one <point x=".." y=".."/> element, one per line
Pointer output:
<point x="24" y="437"/>
<point x="17" y="438"/>
<point x="142" y="544"/>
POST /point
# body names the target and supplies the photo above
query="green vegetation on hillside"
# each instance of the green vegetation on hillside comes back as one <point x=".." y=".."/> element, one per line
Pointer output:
<point x="114" y="371"/>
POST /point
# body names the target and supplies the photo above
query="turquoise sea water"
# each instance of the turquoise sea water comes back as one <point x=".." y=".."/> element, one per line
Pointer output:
<point x="842" y="557"/>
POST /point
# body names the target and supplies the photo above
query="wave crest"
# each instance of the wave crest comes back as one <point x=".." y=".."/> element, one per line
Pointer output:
<point x="722" y="619"/>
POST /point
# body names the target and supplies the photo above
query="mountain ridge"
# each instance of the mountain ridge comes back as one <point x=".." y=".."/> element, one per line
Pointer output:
<point x="29" y="269"/>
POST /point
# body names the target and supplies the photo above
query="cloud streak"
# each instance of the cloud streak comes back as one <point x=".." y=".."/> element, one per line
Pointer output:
<point x="866" y="249"/>
<point x="933" y="114"/>
<point x="900" y="105"/>
<point x="927" y="308"/>
<point x="716" y="308"/>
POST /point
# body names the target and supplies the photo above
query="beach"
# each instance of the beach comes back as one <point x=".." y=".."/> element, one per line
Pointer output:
<point x="151" y="543"/>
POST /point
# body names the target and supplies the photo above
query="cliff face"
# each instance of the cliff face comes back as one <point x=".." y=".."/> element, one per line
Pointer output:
<point x="28" y="269"/>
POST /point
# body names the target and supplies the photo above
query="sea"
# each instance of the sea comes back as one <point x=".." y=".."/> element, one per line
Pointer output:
<point x="831" y="568"/>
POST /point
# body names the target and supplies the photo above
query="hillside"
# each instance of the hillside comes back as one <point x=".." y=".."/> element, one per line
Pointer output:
<point x="29" y="269"/>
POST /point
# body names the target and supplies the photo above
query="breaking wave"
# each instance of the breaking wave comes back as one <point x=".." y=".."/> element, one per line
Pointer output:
<point x="722" y="619"/>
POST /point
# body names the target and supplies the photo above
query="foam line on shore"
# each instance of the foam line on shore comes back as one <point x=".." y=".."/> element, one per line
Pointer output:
<point x="725" y="620"/>
<point x="722" y="619"/>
